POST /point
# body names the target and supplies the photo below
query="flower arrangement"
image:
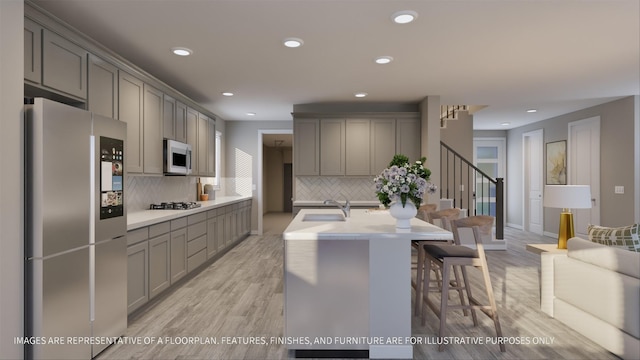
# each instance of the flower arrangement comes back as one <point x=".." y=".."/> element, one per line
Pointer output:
<point x="403" y="181"/>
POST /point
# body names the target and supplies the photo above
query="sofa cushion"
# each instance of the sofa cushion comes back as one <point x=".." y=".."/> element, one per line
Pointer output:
<point x="626" y="237"/>
<point x="612" y="258"/>
<point x="610" y="296"/>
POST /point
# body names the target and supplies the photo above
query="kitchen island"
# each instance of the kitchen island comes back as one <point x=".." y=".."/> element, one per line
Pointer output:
<point x="347" y="282"/>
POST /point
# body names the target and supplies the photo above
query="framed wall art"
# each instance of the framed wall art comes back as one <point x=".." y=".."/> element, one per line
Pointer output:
<point x="557" y="163"/>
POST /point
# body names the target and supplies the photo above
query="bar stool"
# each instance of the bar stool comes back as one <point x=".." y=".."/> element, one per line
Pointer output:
<point x="446" y="257"/>
<point x="443" y="216"/>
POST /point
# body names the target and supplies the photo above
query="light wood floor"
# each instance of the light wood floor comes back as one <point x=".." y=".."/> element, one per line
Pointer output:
<point x="240" y="295"/>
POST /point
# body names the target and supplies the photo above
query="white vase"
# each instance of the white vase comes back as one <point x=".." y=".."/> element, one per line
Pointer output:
<point x="403" y="214"/>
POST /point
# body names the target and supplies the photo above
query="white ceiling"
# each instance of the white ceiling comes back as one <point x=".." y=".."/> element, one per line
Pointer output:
<point x="556" y="56"/>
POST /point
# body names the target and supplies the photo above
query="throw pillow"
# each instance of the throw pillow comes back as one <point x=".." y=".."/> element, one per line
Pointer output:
<point x="626" y="237"/>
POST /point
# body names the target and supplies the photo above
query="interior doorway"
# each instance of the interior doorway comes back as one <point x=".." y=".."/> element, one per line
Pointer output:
<point x="287" y="191"/>
<point x="275" y="151"/>
<point x="532" y="209"/>
<point x="584" y="168"/>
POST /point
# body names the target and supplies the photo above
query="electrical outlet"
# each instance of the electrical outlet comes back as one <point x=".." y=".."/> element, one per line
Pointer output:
<point x="618" y="189"/>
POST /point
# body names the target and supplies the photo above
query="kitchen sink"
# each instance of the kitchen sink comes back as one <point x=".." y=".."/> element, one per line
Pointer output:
<point x="323" y="217"/>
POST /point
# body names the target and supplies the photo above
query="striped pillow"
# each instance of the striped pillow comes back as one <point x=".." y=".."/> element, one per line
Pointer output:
<point x="626" y="237"/>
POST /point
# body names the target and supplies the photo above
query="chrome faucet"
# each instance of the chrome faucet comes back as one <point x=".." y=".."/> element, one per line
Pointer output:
<point x="346" y="209"/>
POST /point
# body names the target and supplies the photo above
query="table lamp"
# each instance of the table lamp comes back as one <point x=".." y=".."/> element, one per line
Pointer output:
<point x="567" y="197"/>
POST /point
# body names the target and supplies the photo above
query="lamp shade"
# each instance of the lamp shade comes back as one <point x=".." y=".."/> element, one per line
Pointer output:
<point x="567" y="196"/>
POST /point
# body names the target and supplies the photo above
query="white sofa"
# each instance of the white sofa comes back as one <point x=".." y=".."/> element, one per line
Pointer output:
<point x="596" y="291"/>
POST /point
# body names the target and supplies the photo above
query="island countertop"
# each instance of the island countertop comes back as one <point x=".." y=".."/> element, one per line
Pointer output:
<point x="362" y="224"/>
<point x="355" y="274"/>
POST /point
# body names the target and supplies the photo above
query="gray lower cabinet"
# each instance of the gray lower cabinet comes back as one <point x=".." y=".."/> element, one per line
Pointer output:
<point x="178" y="252"/>
<point x="220" y="229"/>
<point x="159" y="270"/>
<point x="196" y="240"/>
<point x="137" y="275"/>
<point x="212" y="231"/>
<point x="228" y="226"/>
<point x="161" y="254"/>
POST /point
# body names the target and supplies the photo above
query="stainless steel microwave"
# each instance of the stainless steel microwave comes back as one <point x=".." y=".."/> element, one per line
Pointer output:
<point x="177" y="158"/>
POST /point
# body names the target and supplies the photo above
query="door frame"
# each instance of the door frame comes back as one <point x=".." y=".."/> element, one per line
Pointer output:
<point x="260" y="169"/>
<point x="528" y="169"/>
<point x="501" y="143"/>
<point x="571" y="166"/>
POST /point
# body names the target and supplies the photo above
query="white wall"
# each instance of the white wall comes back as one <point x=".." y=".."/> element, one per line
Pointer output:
<point x="616" y="162"/>
<point x="241" y="155"/>
<point x="11" y="177"/>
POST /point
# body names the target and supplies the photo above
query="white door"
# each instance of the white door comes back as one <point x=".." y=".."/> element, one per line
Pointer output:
<point x="488" y="156"/>
<point x="532" y="150"/>
<point x="584" y="168"/>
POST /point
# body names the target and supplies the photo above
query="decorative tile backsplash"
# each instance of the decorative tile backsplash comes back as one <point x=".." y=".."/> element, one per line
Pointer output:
<point x="144" y="190"/>
<point x="141" y="191"/>
<point x="317" y="188"/>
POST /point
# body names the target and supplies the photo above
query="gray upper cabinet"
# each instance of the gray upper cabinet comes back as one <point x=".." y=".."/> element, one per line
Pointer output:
<point x="306" y="152"/>
<point x="152" y="114"/>
<point x="383" y="132"/>
<point x="206" y="145"/>
<point x="181" y="122"/>
<point x="64" y="65"/>
<point x="192" y="138"/>
<point x="408" y="138"/>
<point x="352" y="144"/>
<point x="211" y="148"/>
<point x="32" y="52"/>
<point x="357" y="147"/>
<point x="130" y="95"/>
<point x="103" y="87"/>
<point x="169" y="118"/>
<point x="332" y="146"/>
<point x="203" y="125"/>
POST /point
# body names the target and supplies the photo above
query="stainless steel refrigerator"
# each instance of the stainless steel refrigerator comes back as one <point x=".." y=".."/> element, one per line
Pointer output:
<point x="75" y="248"/>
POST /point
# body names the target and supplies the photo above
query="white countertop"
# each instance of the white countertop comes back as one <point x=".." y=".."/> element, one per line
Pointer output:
<point x="138" y="219"/>
<point x="320" y="203"/>
<point x="362" y="224"/>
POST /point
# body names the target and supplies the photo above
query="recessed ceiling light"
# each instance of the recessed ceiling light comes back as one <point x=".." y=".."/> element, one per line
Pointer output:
<point x="360" y="94"/>
<point x="181" y="51"/>
<point x="404" y="16"/>
<point x="532" y="110"/>
<point x="251" y="114"/>
<point x="293" y="42"/>
<point x="226" y="93"/>
<point x="383" y="59"/>
<point x="505" y="123"/>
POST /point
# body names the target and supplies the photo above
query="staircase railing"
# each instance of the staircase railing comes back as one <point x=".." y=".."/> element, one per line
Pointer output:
<point x="471" y="188"/>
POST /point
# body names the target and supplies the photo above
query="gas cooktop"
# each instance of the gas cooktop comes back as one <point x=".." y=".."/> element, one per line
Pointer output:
<point x="175" y="206"/>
